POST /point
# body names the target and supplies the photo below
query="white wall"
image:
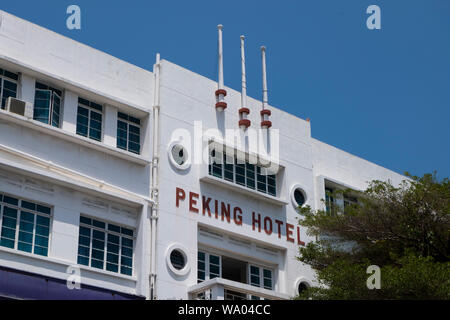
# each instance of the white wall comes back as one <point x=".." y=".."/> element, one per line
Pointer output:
<point x="67" y="205"/>
<point x="44" y="50"/>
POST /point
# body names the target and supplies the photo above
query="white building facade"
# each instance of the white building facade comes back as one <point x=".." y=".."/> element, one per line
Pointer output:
<point x="109" y="174"/>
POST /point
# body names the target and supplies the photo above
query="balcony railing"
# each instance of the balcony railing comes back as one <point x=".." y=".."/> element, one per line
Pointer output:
<point x="224" y="289"/>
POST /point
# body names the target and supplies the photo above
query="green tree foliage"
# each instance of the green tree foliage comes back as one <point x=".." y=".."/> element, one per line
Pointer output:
<point x="405" y="230"/>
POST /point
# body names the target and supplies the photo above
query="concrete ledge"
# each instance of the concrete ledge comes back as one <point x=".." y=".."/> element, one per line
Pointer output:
<point x="243" y="190"/>
<point x="86" y="142"/>
<point x="237" y="286"/>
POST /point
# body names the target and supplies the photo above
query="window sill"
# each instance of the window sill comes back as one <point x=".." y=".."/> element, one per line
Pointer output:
<point x="107" y="273"/>
<point x="72" y="137"/>
<point x="243" y="190"/>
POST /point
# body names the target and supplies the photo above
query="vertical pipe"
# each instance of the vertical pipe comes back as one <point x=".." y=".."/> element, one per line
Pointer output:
<point x="221" y="92"/>
<point x="264" y="77"/>
<point x="219" y="28"/>
<point x="244" y="80"/>
<point x="154" y="178"/>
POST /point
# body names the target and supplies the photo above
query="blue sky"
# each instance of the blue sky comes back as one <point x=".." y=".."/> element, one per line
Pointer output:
<point x="383" y="95"/>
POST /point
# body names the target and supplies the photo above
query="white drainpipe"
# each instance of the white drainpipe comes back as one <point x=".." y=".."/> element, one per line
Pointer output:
<point x="154" y="179"/>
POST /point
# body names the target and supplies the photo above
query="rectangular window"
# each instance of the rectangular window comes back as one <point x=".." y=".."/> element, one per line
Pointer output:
<point x="261" y="277"/>
<point x="250" y="175"/>
<point x="261" y="180"/>
<point x="241" y="172"/>
<point x="329" y="200"/>
<point x="24" y="225"/>
<point x="105" y="246"/>
<point x="47" y="104"/>
<point x="228" y="168"/>
<point x="208" y="266"/>
<point x="8" y="86"/>
<point x="201" y="266"/>
<point x="89" y="119"/>
<point x="128" y="133"/>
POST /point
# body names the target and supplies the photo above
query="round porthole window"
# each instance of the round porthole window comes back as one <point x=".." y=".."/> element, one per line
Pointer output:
<point x="298" y="196"/>
<point x="302" y="286"/>
<point x="177" y="259"/>
<point x="179" y="155"/>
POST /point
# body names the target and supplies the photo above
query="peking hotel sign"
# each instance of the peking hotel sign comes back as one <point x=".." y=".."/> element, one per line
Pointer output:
<point x="222" y="211"/>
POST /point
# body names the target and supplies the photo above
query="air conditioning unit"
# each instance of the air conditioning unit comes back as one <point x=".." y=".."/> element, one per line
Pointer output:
<point x="15" y="106"/>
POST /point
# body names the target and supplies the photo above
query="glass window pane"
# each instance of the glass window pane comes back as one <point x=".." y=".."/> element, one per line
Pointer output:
<point x="112" y="267"/>
<point x="126" y="270"/>
<point x="127" y="251"/>
<point x="85" y="220"/>
<point x="201" y="256"/>
<point x="11" y="200"/>
<point x="127" y="232"/>
<point x="113" y="258"/>
<point x="133" y="147"/>
<point x="97" y="254"/>
<point x="254" y="270"/>
<point x="113" y="248"/>
<point x="97" y="264"/>
<point x="4" y="242"/>
<point x="28" y="205"/>
<point x="42" y="231"/>
<point x="83" y="251"/>
<point x="83" y="260"/>
<point x="214" y="269"/>
<point x="41" y="241"/>
<point x="113" y="227"/>
<point x="26" y="216"/>
<point x="97" y="244"/>
<point x="214" y="259"/>
<point x="22" y="246"/>
<point x="126" y="262"/>
<point x="40" y="251"/>
<point x="9" y="222"/>
<point x="113" y="238"/>
<point x="84" y="241"/>
<point x="98" y="224"/>
<point x="26" y="237"/>
<point x="43" y="221"/>
<point x="127" y="242"/>
<point x="26" y="226"/>
<point x="85" y="231"/>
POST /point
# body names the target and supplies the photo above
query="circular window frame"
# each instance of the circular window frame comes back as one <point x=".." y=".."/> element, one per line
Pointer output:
<point x="183" y="251"/>
<point x="302" y="190"/>
<point x="183" y="166"/>
<point x="300" y="280"/>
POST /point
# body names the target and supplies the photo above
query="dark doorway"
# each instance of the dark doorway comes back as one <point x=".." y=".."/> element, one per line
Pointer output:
<point x="233" y="269"/>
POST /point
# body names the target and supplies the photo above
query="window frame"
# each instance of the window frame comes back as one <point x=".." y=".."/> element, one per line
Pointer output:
<point x="261" y="276"/>
<point x="129" y="123"/>
<point x="106" y="232"/>
<point x="2" y="85"/>
<point x="18" y="229"/>
<point x="91" y="109"/>
<point x="53" y="91"/>
<point x="249" y="182"/>
<point x="207" y="262"/>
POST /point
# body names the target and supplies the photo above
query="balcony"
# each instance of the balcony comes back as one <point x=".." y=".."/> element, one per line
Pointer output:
<point x="224" y="289"/>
